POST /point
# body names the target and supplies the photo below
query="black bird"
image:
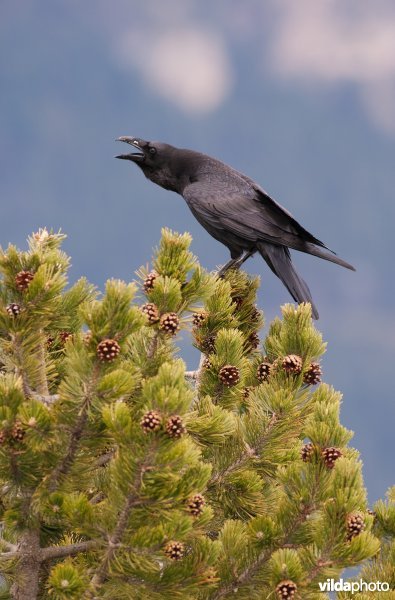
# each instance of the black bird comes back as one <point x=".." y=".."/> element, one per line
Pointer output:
<point x="233" y="209"/>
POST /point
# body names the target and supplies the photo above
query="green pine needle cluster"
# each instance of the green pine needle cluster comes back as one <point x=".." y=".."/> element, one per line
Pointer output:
<point x="124" y="476"/>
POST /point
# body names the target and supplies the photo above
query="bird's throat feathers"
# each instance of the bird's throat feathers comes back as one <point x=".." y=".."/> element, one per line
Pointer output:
<point x="174" y="173"/>
<point x="163" y="177"/>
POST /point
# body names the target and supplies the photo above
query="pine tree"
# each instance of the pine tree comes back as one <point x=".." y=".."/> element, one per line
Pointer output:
<point x="123" y="476"/>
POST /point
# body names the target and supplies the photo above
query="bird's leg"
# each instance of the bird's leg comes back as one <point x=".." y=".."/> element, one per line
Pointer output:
<point x="235" y="263"/>
<point x="227" y="266"/>
<point x="243" y="258"/>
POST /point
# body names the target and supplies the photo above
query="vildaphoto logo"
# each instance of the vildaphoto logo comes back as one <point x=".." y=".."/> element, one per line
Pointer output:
<point x="331" y="585"/>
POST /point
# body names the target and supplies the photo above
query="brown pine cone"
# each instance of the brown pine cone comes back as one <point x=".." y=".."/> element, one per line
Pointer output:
<point x="3" y="436"/>
<point x="23" y="279"/>
<point x="170" y="323"/>
<point x="108" y="350"/>
<point x="151" y="310"/>
<point x="256" y="315"/>
<point x="253" y="340"/>
<point x="13" y="309"/>
<point x="195" y="505"/>
<point x="263" y="371"/>
<point x="330" y="456"/>
<point x="198" y="318"/>
<point x="208" y="344"/>
<point x="286" y="589"/>
<point x="313" y="374"/>
<point x="175" y="427"/>
<point x="246" y="392"/>
<point x="18" y="431"/>
<point x="307" y="452"/>
<point x="355" y="525"/>
<point x="238" y="300"/>
<point x="229" y="375"/>
<point x="149" y="281"/>
<point x="64" y="336"/>
<point x="175" y="550"/>
<point x="151" y="421"/>
<point x="292" y="364"/>
<point x="206" y="364"/>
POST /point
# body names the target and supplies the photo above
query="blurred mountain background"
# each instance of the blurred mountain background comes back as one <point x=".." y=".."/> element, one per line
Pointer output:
<point x="298" y="95"/>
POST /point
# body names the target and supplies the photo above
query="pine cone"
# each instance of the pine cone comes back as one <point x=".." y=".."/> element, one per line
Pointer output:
<point x="151" y="421"/>
<point x="50" y="341"/>
<point x="149" y="281"/>
<point x="238" y="300"/>
<point x="18" y="431"/>
<point x="175" y="427"/>
<point x="263" y="371"/>
<point x="307" y="452"/>
<point x="246" y="392"/>
<point x="198" y="318"/>
<point x="23" y="279"/>
<point x="255" y="315"/>
<point x="13" y="309"/>
<point x="208" y="344"/>
<point x="206" y="364"/>
<point x="313" y="374"/>
<point x="253" y="340"/>
<point x="151" y="310"/>
<point x="355" y="525"/>
<point x="286" y="589"/>
<point x="175" y="550"/>
<point x="195" y="505"/>
<point x="170" y="323"/>
<point x="292" y="364"/>
<point x="330" y="456"/>
<point x="108" y="350"/>
<point x="3" y="436"/>
<point x="64" y="336"/>
<point x="229" y="375"/>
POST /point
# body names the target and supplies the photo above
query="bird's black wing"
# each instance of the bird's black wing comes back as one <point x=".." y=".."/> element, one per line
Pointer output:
<point x="232" y="204"/>
<point x="245" y="211"/>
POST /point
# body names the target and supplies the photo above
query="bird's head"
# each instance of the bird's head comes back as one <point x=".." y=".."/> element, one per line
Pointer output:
<point x="147" y="151"/>
<point x="155" y="159"/>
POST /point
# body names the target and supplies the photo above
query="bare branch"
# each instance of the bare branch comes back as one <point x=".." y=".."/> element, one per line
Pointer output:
<point x="53" y="552"/>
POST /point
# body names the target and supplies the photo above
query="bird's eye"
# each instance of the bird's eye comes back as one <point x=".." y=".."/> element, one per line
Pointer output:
<point x="152" y="150"/>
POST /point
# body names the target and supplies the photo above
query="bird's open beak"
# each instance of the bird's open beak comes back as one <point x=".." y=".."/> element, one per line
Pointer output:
<point x="137" y="143"/>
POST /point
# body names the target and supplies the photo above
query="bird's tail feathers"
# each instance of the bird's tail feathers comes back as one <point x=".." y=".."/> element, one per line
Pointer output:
<point x="279" y="260"/>
<point x="326" y="255"/>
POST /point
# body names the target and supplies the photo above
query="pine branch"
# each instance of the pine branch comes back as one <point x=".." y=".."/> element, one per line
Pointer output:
<point x="20" y="371"/>
<point x="322" y="563"/>
<point x="248" y="453"/>
<point x="249" y="572"/>
<point x="132" y="500"/>
<point x="42" y="387"/>
<point x="54" y="552"/>
<point x="105" y="458"/>
<point x="153" y="346"/>
<point x="47" y="399"/>
<point x="64" y="466"/>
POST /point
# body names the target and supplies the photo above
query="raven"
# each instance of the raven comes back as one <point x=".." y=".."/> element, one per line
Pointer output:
<point x="233" y="209"/>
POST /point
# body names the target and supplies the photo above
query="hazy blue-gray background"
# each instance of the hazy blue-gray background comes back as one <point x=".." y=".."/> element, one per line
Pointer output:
<point x="299" y="95"/>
